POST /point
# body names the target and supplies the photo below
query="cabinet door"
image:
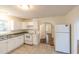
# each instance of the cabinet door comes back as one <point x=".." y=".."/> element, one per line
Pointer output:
<point x="19" y="40"/>
<point x="24" y="25"/>
<point x="22" y="39"/>
<point x="14" y="43"/>
<point x="27" y="25"/>
<point x="11" y="44"/>
<point x="3" y="46"/>
<point x="17" y="25"/>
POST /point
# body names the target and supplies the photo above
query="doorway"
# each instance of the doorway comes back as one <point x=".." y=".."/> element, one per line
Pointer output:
<point x="46" y="30"/>
<point x="76" y="37"/>
<point x="75" y="32"/>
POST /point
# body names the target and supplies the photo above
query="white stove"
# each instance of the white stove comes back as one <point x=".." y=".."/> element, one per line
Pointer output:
<point x="29" y="38"/>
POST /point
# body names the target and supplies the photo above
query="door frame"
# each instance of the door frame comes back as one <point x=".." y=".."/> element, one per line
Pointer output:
<point x="45" y="28"/>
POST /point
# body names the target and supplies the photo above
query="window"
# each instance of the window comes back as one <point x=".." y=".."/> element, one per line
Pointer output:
<point x="3" y="25"/>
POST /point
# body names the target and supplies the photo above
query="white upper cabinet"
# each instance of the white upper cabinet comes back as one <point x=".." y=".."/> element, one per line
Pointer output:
<point x="27" y="25"/>
<point x="17" y="25"/>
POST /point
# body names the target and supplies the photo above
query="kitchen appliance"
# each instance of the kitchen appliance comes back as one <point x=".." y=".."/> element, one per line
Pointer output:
<point x="29" y="38"/>
<point x="62" y="38"/>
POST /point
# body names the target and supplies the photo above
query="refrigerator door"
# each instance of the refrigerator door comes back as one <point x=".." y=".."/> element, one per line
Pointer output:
<point x="62" y="28"/>
<point x="62" y="42"/>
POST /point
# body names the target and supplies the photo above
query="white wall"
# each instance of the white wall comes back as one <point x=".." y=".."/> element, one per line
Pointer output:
<point x="73" y="18"/>
<point x="36" y="30"/>
<point x="53" y="20"/>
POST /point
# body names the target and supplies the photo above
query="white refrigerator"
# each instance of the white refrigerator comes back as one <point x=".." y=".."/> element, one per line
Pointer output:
<point x="62" y="38"/>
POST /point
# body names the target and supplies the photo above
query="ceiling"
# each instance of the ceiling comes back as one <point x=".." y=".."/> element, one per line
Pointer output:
<point x="37" y="10"/>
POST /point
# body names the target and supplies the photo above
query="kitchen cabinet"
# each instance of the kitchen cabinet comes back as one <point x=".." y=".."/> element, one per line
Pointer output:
<point x="27" y="25"/>
<point x="3" y="46"/>
<point x="15" y="42"/>
<point x="19" y="40"/>
<point x="11" y="44"/>
<point x="16" y="25"/>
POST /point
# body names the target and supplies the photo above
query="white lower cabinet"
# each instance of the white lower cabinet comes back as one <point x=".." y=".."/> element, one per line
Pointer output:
<point x="3" y="46"/>
<point x="15" y="42"/>
<point x="11" y="44"/>
<point x="7" y="45"/>
<point x="19" y="41"/>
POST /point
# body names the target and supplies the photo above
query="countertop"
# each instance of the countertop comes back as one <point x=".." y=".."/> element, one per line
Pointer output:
<point x="13" y="32"/>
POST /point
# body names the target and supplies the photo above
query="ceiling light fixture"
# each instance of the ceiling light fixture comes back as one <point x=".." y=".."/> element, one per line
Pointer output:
<point x="24" y="7"/>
